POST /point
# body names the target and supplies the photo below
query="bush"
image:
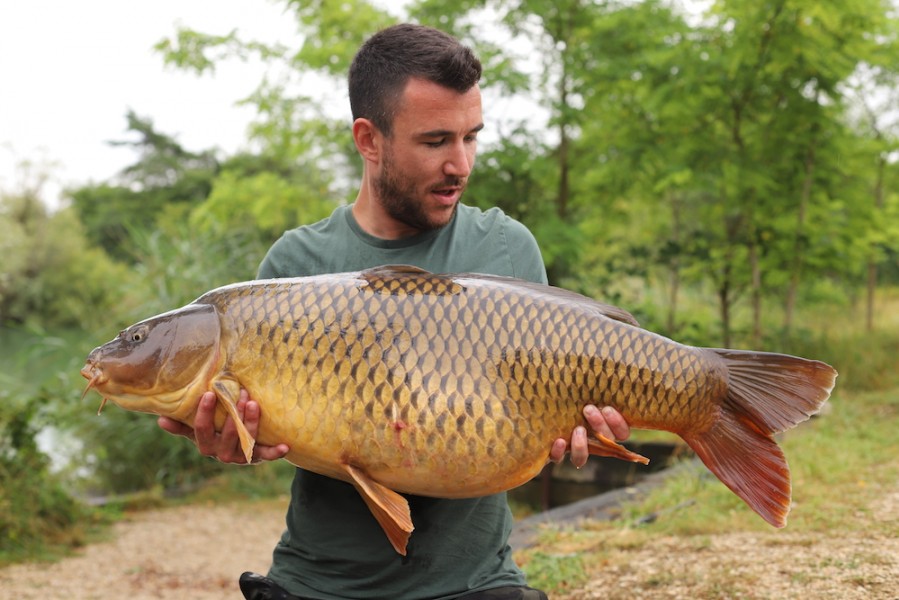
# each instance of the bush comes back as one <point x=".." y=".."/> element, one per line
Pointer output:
<point x="37" y="515"/>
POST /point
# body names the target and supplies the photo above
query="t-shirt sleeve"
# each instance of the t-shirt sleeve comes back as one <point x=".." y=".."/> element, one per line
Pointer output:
<point x="526" y="258"/>
<point x="272" y="264"/>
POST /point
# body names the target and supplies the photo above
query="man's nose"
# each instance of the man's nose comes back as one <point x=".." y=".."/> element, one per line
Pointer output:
<point x="460" y="160"/>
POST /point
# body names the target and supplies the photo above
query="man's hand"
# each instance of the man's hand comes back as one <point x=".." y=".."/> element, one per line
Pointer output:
<point x="607" y="422"/>
<point x="225" y="445"/>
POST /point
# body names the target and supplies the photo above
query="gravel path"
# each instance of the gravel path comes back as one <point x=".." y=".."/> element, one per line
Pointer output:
<point x="761" y="566"/>
<point x="197" y="553"/>
<point x="190" y="552"/>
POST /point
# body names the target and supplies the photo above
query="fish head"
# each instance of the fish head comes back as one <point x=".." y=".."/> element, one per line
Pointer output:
<point x="153" y="365"/>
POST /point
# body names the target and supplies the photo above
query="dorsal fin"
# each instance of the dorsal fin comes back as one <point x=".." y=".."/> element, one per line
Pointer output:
<point x="406" y="280"/>
<point x="388" y="270"/>
<point x="607" y="310"/>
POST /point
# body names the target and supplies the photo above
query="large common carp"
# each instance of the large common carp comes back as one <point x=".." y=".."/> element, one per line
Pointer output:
<point x="398" y="380"/>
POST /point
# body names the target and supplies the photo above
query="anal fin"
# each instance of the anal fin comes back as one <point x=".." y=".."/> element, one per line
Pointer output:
<point x="389" y="508"/>
<point x="603" y="446"/>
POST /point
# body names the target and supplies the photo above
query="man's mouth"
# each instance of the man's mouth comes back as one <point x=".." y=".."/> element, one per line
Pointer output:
<point x="448" y="193"/>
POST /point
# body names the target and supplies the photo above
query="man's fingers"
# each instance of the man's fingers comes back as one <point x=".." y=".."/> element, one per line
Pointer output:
<point x="597" y="422"/>
<point x="616" y="423"/>
<point x="579" y="452"/>
<point x="228" y="444"/>
<point x="251" y="417"/>
<point x="175" y="427"/>
<point x="261" y="453"/>
<point x="558" y="450"/>
<point x="225" y="445"/>
<point x="204" y="425"/>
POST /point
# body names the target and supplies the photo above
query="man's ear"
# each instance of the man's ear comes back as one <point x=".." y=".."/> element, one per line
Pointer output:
<point x="368" y="139"/>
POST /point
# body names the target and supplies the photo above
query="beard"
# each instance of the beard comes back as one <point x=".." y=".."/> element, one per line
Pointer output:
<point x="401" y="200"/>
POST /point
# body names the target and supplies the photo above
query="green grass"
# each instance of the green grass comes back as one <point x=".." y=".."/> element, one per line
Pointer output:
<point x="838" y="461"/>
<point x="259" y="482"/>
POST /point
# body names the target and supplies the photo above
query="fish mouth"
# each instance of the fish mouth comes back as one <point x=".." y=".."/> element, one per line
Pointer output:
<point x="95" y="377"/>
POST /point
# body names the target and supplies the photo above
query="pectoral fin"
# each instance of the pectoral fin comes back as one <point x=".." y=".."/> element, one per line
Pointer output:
<point x="389" y="508"/>
<point x="228" y="391"/>
<point x="603" y="446"/>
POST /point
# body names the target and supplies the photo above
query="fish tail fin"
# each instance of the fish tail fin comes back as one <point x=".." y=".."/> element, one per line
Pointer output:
<point x="767" y="394"/>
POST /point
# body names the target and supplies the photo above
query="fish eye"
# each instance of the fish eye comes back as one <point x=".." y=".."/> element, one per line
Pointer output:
<point x="137" y="334"/>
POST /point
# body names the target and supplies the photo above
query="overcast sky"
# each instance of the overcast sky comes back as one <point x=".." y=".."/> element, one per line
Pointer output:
<point x="70" y="69"/>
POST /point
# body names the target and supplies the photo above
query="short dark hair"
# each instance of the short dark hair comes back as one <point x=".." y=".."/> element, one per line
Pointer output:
<point x="388" y="59"/>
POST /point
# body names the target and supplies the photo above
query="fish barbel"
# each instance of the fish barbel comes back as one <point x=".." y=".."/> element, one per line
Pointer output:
<point x="398" y="380"/>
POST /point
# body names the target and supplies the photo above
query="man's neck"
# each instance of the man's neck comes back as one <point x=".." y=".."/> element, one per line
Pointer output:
<point x="374" y="220"/>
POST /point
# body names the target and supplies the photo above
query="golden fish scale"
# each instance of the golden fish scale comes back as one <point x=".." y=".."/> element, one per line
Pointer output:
<point x="423" y="381"/>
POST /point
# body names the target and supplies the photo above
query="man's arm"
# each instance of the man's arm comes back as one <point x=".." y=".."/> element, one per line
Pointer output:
<point x="225" y="445"/>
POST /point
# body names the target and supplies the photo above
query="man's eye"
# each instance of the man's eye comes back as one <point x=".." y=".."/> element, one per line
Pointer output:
<point x="435" y="144"/>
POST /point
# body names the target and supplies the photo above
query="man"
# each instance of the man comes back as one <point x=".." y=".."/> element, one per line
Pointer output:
<point x="417" y="113"/>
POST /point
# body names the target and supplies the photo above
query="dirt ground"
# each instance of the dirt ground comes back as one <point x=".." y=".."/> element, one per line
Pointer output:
<point x="197" y="552"/>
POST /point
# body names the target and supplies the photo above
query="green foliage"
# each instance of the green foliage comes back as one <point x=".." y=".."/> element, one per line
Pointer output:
<point x="36" y="512"/>
<point x="49" y="274"/>
<point x="865" y="363"/>
<point x="333" y="31"/>
<point x="128" y="451"/>
<point x="178" y="263"/>
<point x="164" y="177"/>
<point x="38" y="516"/>
<point x="200" y="52"/>
<point x="268" y="201"/>
<point x="712" y="152"/>
<point x="258" y="482"/>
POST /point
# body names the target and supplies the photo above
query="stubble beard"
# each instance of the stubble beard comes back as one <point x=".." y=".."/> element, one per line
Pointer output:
<point x="400" y="200"/>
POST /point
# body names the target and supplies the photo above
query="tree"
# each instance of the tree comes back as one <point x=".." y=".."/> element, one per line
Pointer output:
<point x="165" y="182"/>
<point x="873" y="92"/>
<point x="709" y="152"/>
<point x="49" y="275"/>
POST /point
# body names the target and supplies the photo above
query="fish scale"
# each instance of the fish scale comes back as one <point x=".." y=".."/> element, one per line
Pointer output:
<point x="399" y="380"/>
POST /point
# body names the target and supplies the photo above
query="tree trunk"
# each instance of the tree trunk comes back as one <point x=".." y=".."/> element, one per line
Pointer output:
<point x="872" y="260"/>
<point x="756" y="271"/>
<point x="674" y="265"/>
<point x="799" y="237"/>
<point x="724" y="301"/>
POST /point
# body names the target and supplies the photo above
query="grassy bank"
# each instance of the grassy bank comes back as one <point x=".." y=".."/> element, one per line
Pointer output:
<point x="841" y="462"/>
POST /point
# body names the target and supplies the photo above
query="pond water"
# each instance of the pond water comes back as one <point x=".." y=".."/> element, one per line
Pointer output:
<point x="562" y="484"/>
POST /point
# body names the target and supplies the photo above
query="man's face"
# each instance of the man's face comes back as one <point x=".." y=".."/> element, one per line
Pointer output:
<point x="429" y="155"/>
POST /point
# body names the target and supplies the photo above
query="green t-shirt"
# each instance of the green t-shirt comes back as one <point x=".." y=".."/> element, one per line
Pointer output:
<point x="333" y="547"/>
